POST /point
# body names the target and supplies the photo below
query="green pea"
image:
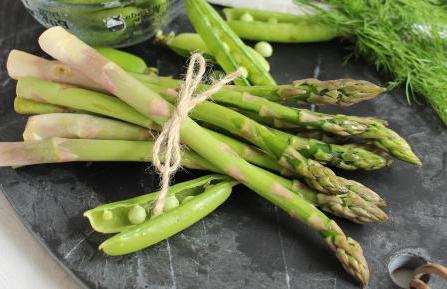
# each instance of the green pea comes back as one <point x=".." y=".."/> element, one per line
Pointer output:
<point x="244" y="72"/>
<point x="264" y="48"/>
<point x="107" y="215"/>
<point x="247" y="17"/>
<point x="137" y="215"/>
<point x="171" y="203"/>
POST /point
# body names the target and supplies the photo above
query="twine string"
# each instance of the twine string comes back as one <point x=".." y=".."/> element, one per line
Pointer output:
<point x="167" y="151"/>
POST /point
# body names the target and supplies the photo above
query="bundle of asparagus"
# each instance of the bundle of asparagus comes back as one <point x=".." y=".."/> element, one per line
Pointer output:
<point x="87" y="108"/>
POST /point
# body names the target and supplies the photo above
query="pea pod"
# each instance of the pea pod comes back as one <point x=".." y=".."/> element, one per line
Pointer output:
<point x="278" y="27"/>
<point x="228" y="49"/>
<point x="119" y="210"/>
<point x="127" y="61"/>
<point x="154" y="230"/>
<point x="185" y="44"/>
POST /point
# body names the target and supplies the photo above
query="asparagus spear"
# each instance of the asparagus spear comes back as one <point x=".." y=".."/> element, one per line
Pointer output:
<point x="70" y="125"/>
<point x="25" y="106"/>
<point x="21" y="64"/>
<point x="343" y="92"/>
<point x="317" y="176"/>
<point x="60" y="150"/>
<point x="66" y="47"/>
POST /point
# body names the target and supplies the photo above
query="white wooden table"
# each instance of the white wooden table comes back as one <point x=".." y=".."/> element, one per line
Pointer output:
<point x="24" y="262"/>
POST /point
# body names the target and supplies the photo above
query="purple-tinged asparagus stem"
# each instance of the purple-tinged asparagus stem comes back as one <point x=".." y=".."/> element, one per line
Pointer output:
<point x="21" y="64"/>
<point x="70" y="125"/>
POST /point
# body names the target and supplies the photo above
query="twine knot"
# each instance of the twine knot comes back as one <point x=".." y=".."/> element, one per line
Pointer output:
<point x="167" y="153"/>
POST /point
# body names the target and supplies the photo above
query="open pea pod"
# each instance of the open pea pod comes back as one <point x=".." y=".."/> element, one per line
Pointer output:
<point x="260" y="25"/>
<point x="114" y="217"/>
<point x="156" y="229"/>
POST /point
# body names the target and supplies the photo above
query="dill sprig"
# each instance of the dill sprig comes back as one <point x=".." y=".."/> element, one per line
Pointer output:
<point x="406" y="38"/>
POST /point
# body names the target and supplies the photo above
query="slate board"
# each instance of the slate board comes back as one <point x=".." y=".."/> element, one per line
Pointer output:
<point x="246" y="243"/>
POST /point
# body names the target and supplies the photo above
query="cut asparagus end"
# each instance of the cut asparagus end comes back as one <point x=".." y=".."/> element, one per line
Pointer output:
<point x="72" y="125"/>
<point x="16" y="154"/>
<point x="22" y="65"/>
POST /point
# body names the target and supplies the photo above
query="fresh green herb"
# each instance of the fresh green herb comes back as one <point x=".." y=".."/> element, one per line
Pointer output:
<point x="406" y="38"/>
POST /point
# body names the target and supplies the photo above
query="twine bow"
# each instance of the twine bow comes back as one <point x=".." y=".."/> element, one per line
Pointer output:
<point x="167" y="146"/>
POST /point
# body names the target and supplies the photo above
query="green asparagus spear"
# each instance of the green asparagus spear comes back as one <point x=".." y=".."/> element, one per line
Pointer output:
<point x="67" y="48"/>
<point x="80" y="99"/>
<point x="70" y="125"/>
<point x="341" y="92"/>
<point x="25" y="106"/>
<point x="278" y="27"/>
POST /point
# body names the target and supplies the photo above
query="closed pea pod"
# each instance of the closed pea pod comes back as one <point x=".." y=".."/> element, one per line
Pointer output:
<point x="278" y="27"/>
<point x="125" y="60"/>
<point x="166" y="225"/>
<point x="228" y="49"/>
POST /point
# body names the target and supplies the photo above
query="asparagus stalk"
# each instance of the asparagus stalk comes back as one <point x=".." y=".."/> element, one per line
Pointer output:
<point x="80" y="99"/>
<point x="61" y="150"/>
<point x="342" y="92"/>
<point x="70" y="125"/>
<point x="65" y="47"/>
<point x="21" y="64"/>
<point x="25" y="106"/>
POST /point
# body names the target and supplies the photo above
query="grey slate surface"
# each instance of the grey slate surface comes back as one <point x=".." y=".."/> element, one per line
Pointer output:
<point x="246" y="243"/>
